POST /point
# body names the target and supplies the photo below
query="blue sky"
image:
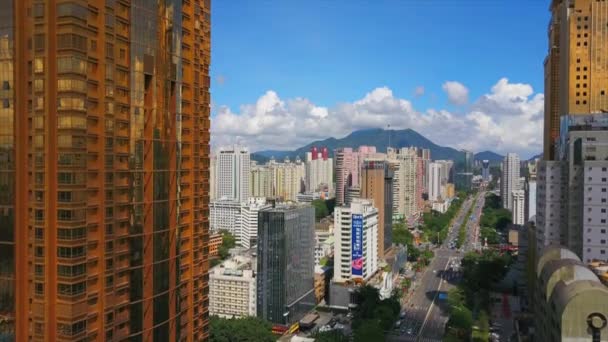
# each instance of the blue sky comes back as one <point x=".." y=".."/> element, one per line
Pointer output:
<point x="337" y="51"/>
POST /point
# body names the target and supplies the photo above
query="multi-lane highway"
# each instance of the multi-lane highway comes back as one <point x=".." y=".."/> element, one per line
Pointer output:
<point x="425" y="314"/>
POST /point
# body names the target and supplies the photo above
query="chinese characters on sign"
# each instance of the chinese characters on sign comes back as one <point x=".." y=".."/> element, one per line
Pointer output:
<point x="357" y="245"/>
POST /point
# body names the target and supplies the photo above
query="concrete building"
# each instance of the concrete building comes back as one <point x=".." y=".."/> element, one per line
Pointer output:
<point x="247" y="223"/>
<point x="550" y="204"/>
<point x="232" y="288"/>
<point x="583" y="161"/>
<point x="530" y="197"/>
<point x="406" y="195"/>
<point x="509" y="180"/>
<point x="224" y="215"/>
<point x="356" y="237"/>
<point x="285" y="278"/>
<point x="212" y="177"/>
<point x="233" y="173"/>
<point x="575" y="62"/>
<point x="287" y="179"/>
<point x="352" y="193"/>
<point x="215" y="241"/>
<point x="377" y="185"/>
<point x="347" y="172"/>
<point x="518" y="205"/>
<point x="319" y="171"/>
<point x="239" y="219"/>
<point x="307" y="197"/>
<point x="441" y="206"/>
<point x="261" y="181"/>
<point x="104" y="161"/>
<point x="570" y="301"/>
<point x="323" y="250"/>
<point x="322" y="279"/>
<point x="434" y="179"/>
<point x="485" y="170"/>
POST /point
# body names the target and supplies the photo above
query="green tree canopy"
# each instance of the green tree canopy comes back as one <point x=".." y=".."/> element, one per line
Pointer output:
<point x="367" y="331"/>
<point x="248" y="329"/>
<point x="321" y="210"/>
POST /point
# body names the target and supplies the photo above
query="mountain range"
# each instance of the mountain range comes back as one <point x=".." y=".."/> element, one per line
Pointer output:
<point x="380" y="138"/>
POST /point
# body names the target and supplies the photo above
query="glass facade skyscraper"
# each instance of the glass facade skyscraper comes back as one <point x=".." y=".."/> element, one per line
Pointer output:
<point x="104" y="170"/>
<point x="285" y="279"/>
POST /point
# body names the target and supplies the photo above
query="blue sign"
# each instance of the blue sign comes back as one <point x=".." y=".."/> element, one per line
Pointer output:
<point x="357" y="245"/>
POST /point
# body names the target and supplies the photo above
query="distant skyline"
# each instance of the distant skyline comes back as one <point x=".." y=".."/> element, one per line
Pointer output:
<point x="466" y="74"/>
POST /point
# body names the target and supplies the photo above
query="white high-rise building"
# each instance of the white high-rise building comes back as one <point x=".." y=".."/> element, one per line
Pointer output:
<point x="319" y="172"/>
<point x="434" y="178"/>
<point x="518" y="197"/>
<point x="404" y="163"/>
<point x="355" y="241"/>
<point x="510" y="179"/>
<point x="232" y="173"/>
<point x="232" y="288"/>
<point x="530" y="194"/>
<point x="248" y="220"/>
<point x="224" y="215"/>
<point x="238" y="218"/>
<point x="212" y="177"/>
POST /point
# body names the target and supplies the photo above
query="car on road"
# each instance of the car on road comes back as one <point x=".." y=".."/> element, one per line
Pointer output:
<point x="402" y="315"/>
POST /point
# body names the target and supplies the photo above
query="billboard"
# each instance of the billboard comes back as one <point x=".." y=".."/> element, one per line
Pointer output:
<point x="357" y="245"/>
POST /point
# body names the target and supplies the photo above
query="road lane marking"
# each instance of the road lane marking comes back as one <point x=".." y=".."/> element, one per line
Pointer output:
<point x="428" y="313"/>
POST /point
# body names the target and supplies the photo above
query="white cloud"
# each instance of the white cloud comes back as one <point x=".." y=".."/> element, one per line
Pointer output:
<point x="509" y="118"/>
<point x="419" y="91"/>
<point x="458" y="94"/>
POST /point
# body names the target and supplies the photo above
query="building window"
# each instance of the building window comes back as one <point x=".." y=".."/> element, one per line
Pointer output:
<point x="39" y="288"/>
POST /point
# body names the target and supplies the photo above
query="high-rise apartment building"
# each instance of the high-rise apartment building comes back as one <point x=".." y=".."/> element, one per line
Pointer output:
<point x="232" y="173"/>
<point x="285" y="278"/>
<point x="287" y="178"/>
<point x="261" y="181"/>
<point x="356" y="241"/>
<point x="509" y="180"/>
<point x="347" y="172"/>
<point x="348" y="163"/>
<point x="104" y="170"/>
<point x="319" y="171"/>
<point x="517" y="215"/>
<point x="530" y="197"/>
<point x="406" y="196"/>
<point x="551" y="204"/>
<point x="212" y="177"/>
<point x="434" y="178"/>
<point x="377" y="185"/>
<point x="575" y="73"/>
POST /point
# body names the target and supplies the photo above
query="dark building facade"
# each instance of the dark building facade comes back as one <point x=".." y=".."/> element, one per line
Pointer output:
<point x="285" y="278"/>
<point x="104" y="170"/>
